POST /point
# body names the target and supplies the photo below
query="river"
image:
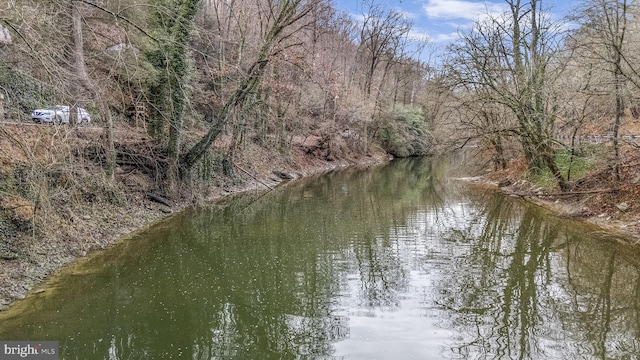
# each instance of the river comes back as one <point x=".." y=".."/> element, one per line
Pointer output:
<point x="389" y="262"/>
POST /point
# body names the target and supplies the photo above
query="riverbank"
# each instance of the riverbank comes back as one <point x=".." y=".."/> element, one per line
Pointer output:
<point x="599" y="197"/>
<point x="78" y="211"/>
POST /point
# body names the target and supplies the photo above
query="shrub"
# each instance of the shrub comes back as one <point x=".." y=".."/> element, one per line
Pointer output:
<point x="573" y="166"/>
<point x="403" y="132"/>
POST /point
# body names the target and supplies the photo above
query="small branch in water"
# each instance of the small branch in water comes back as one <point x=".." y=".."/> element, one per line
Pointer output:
<point x="567" y="193"/>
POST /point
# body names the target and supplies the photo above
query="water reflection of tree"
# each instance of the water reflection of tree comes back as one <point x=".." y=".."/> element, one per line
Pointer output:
<point x="504" y="264"/>
<point x="390" y="198"/>
<point x="516" y="302"/>
<point x="603" y="283"/>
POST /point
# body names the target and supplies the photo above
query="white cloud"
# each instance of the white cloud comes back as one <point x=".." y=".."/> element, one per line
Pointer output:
<point x="419" y="35"/>
<point x="446" y="17"/>
<point x="446" y="38"/>
<point x="407" y="14"/>
<point x="461" y="9"/>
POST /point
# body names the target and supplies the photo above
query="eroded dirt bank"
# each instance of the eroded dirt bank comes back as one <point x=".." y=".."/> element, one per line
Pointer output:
<point x="56" y="205"/>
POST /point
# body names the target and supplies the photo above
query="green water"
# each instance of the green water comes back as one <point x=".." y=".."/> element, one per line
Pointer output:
<point x="391" y="262"/>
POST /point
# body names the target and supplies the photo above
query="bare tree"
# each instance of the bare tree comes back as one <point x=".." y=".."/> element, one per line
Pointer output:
<point x="508" y="61"/>
<point x="88" y="84"/>
<point x="604" y="32"/>
<point x="382" y="37"/>
<point x="382" y="41"/>
<point x="285" y="13"/>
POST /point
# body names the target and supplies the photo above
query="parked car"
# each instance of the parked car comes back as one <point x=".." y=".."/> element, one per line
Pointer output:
<point x="58" y="114"/>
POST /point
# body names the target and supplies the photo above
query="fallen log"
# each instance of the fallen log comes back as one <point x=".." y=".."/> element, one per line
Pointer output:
<point x="158" y="199"/>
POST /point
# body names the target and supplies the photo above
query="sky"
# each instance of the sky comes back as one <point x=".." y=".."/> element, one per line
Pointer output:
<point x="440" y="20"/>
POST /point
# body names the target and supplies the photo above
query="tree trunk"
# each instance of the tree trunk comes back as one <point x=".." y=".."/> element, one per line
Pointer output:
<point x="83" y="78"/>
<point x="288" y="12"/>
<point x="618" y="119"/>
<point x="555" y="171"/>
<point x="170" y="58"/>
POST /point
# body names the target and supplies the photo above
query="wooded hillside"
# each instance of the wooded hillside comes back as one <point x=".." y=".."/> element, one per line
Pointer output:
<point x="189" y="72"/>
<point x="273" y="73"/>
<point x="283" y="75"/>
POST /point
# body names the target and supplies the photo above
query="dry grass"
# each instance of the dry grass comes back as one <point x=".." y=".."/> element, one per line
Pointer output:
<point x="56" y="203"/>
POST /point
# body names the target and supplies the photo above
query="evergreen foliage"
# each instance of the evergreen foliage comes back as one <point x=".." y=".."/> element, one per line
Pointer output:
<point x="403" y="132"/>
